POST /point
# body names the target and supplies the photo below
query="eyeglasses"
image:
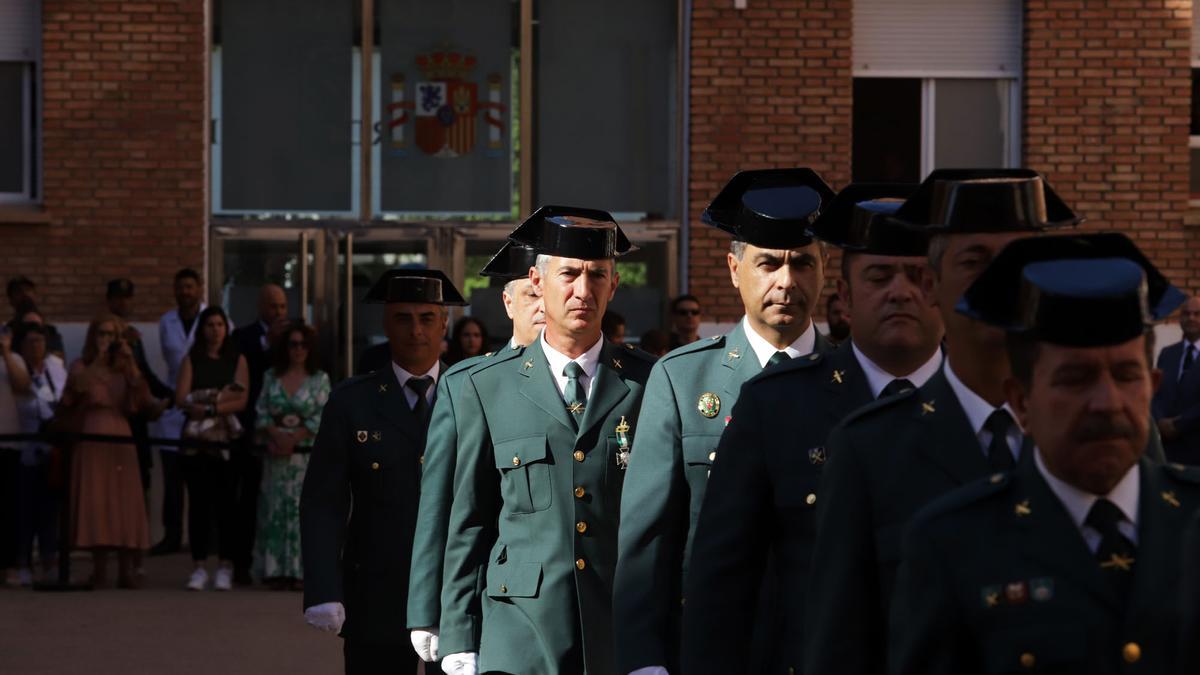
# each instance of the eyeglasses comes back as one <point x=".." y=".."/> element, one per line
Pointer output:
<point x="687" y="312"/>
<point x="296" y="344"/>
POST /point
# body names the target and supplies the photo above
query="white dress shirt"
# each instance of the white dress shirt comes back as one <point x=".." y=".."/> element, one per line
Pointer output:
<point x="403" y="376"/>
<point x="978" y="411"/>
<point x="878" y="378"/>
<point x="589" y="361"/>
<point x="1078" y="503"/>
<point x="764" y="350"/>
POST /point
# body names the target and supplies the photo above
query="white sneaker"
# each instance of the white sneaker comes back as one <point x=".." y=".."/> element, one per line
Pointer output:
<point x="198" y="580"/>
<point x="224" y="580"/>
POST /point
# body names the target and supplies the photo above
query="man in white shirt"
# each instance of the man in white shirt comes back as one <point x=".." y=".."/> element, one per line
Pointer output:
<point x="176" y="330"/>
<point x="1072" y="562"/>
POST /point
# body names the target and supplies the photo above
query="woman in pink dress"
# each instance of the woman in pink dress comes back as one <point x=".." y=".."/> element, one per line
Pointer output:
<point x="107" y="507"/>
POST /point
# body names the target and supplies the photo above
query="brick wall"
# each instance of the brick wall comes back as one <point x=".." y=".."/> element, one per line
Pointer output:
<point x="770" y="87"/>
<point x="1106" y="108"/>
<point x="124" y="153"/>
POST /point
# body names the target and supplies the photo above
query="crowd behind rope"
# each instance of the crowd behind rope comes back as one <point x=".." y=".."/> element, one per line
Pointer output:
<point x="258" y="390"/>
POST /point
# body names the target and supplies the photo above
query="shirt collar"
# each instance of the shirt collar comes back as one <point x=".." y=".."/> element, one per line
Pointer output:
<point x="764" y="350"/>
<point x="878" y="378"/>
<point x="403" y="376"/>
<point x="1078" y="502"/>
<point x="589" y="360"/>
<point x="977" y="409"/>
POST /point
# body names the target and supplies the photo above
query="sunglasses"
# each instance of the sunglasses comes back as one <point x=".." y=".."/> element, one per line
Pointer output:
<point x="687" y="312"/>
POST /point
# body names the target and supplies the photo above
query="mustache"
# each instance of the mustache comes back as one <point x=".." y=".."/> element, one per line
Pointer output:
<point x="1103" y="428"/>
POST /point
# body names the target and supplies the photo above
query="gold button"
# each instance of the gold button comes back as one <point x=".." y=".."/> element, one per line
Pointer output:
<point x="516" y="461"/>
<point x="683" y="602"/>
<point x="580" y="492"/>
<point x="1027" y="660"/>
<point x="374" y="466"/>
<point x="810" y="499"/>
<point x="580" y="564"/>
<point x="503" y="588"/>
<point x="581" y="527"/>
<point x="578" y="455"/>
<point x="421" y="460"/>
<point x="1132" y="652"/>
<point x="712" y="456"/>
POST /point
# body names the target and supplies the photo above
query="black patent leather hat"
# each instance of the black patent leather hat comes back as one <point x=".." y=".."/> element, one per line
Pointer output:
<point x="985" y="200"/>
<point x="858" y="220"/>
<point x="430" y="287"/>
<point x="572" y="232"/>
<point x="770" y="208"/>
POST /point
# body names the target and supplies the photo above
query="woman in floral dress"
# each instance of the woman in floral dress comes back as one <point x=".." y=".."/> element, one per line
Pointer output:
<point x="289" y="414"/>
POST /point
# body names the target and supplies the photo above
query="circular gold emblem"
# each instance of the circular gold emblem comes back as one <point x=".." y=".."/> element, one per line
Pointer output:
<point x="709" y="404"/>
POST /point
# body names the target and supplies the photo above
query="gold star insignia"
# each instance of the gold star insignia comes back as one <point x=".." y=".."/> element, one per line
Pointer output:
<point x="733" y="354"/>
<point x="1118" y="562"/>
<point x="375" y="436"/>
<point x="1170" y="498"/>
<point x="527" y="365"/>
<point x="993" y="599"/>
<point x="1022" y="508"/>
<point x="383" y="388"/>
<point x="927" y="407"/>
<point x="837" y="376"/>
<point x="575" y="408"/>
<point x="617" y="364"/>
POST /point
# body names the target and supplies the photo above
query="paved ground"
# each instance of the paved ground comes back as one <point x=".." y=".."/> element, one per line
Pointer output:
<point x="160" y="629"/>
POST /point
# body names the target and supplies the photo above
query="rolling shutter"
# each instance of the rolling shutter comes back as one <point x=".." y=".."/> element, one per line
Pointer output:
<point x="937" y="38"/>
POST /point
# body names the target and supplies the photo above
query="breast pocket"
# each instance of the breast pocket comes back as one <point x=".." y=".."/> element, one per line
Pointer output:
<point x="525" y="477"/>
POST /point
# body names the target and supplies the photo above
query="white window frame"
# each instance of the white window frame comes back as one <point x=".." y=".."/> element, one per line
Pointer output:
<point x="31" y="149"/>
<point x="215" y="97"/>
<point x="1012" y="140"/>
<point x="1193" y="143"/>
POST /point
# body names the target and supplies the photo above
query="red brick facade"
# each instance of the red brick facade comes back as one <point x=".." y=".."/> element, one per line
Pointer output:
<point x="771" y="86"/>
<point x="1106" y="102"/>
<point x="1107" y="105"/>
<point x="124" y="152"/>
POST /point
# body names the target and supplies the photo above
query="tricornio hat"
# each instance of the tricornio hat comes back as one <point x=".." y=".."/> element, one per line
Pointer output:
<point x="572" y="232"/>
<point x="858" y="220"/>
<point x="1082" y="290"/>
<point x="430" y="287"/>
<point x="512" y="261"/>
<point x="985" y="200"/>
<point x="770" y="208"/>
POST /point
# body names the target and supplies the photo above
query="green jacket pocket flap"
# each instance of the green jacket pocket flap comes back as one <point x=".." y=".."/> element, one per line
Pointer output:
<point x="517" y="452"/>
<point x="700" y="449"/>
<point x="514" y="580"/>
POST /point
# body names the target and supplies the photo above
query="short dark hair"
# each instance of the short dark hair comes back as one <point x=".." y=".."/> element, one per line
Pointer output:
<point x="18" y="282"/>
<point x="1023" y="351"/>
<point x="686" y="297"/>
<point x="833" y="297"/>
<point x="280" y="358"/>
<point x="187" y="273"/>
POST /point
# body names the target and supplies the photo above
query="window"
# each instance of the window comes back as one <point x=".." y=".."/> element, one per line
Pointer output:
<point x="20" y="47"/>
<point x="600" y="117"/>
<point x="936" y="86"/>
<point x="1194" y="137"/>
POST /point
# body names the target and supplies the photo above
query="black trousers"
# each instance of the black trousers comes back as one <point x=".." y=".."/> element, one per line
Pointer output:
<point x="172" y="508"/>
<point x="246" y="475"/>
<point x="9" y="464"/>
<point x="210" y="505"/>
<point x="374" y="659"/>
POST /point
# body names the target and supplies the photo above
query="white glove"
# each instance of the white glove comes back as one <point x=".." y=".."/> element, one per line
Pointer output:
<point x="650" y="670"/>
<point x="425" y="642"/>
<point x="462" y="663"/>
<point x="327" y="616"/>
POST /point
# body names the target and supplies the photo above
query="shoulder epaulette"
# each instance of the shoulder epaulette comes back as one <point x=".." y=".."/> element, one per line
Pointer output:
<point x="502" y="356"/>
<point x="640" y="354"/>
<point x="966" y="495"/>
<point x="800" y="363"/>
<point x="704" y="344"/>
<point x="351" y="382"/>
<point x="1187" y="474"/>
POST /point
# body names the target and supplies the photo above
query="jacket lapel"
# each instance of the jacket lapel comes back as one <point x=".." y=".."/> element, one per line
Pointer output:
<point x="847" y="388"/>
<point x="538" y="385"/>
<point x="608" y="390"/>
<point x="1162" y="516"/>
<point x="949" y="440"/>
<point x="392" y="405"/>
<point x="1049" y="535"/>
<point x="739" y="359"/>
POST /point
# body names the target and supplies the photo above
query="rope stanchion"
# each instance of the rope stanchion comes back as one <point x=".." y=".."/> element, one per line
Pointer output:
<point x="65" y="442"/>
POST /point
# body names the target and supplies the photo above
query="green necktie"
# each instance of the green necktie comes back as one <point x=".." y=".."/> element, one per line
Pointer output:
<point x="777" y="358"/>
<point x="573" y="394"/>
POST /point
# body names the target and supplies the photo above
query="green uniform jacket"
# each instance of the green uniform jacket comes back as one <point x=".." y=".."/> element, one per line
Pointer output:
<point x="536" y="510"/>
<point x="886" y="461"/>
<point x="689" y="397"/>
<point x="367" y="452"/>
<point x="1189" y="658"/>
<point x="437" y="487"/>
<point x="761" y="505"/>
<point x="997" y="578"/>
